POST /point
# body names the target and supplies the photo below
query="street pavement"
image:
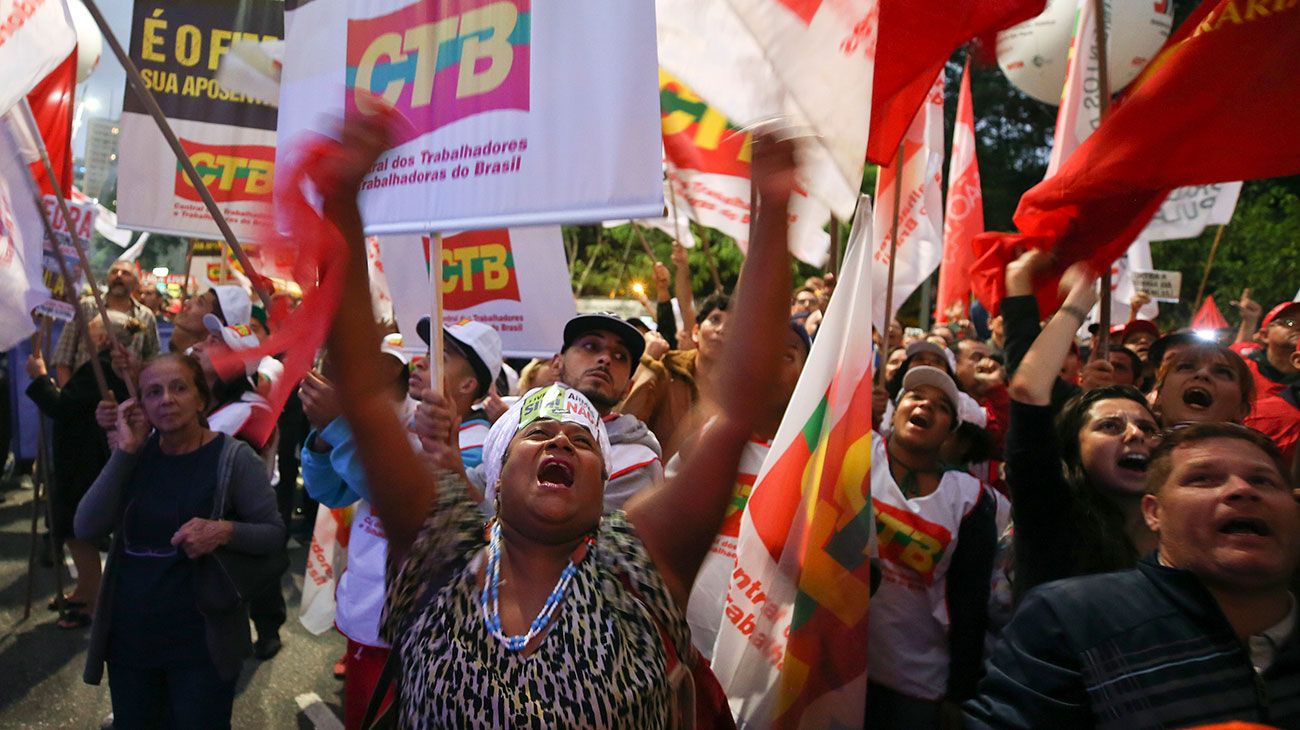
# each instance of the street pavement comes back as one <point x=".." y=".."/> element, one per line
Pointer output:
<point x="41" y="665"/>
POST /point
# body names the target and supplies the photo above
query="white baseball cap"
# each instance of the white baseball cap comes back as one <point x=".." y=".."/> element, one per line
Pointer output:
<point x="480" y="343"/>
<point x="928" y="375"/>
<point x="235" y="305"/>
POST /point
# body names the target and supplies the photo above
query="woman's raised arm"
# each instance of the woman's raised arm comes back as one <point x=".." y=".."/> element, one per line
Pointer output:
<point x="678" y="520"/>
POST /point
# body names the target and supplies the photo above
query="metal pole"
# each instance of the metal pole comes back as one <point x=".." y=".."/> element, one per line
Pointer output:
<point x="893" y="251"/>
<point x="151" y="105"/>
<point x="1209" y="261"/>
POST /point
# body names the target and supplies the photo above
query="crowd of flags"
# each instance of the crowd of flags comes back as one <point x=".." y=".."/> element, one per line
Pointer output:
<point x="864" y="79"/>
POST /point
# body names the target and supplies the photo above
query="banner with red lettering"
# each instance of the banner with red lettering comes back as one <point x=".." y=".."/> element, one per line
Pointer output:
<point x="964" y="214"/>
<point x="483" y="281"/>
<point x="35" y="36"/>
<point x="516" y="114"/>
<point x="20" y="244"/>
<point x="229" y="137"/>
<point x="918" y="187"/>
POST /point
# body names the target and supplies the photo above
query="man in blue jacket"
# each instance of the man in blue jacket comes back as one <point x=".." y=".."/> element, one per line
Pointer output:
<point x="1201" y="632"/>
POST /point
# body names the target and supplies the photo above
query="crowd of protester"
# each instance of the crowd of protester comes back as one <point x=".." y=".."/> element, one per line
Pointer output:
<point x="1072" y="528"/>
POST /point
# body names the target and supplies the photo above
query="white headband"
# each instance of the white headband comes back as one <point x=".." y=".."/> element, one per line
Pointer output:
<point x="554" y="402"/>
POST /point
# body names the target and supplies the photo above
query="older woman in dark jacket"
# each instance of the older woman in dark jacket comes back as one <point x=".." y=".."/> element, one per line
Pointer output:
<point x="171" y="498"/>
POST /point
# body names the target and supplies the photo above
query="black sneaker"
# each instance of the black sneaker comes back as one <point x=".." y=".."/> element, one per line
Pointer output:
<point x="267" y="646"/>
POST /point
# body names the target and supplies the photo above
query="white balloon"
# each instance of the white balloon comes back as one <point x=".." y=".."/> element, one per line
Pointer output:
<point x="1033" y="54"/>
<point x="90" y="42"/>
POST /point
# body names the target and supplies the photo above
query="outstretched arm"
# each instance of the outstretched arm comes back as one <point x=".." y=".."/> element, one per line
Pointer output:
<point x="401" y="485"/>
<point x="678" y="520"/>
<point x="1033" y="380"/>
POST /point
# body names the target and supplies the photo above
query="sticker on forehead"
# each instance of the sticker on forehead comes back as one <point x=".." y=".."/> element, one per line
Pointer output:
<point x="558" y="404"/>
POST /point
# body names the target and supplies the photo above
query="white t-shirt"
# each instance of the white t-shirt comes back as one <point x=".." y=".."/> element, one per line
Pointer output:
<point x="914" y="541"/>
<point x="709" y="594"/>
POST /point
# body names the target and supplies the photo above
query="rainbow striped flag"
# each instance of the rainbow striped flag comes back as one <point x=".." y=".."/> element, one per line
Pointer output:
<point x="792" y="649"/>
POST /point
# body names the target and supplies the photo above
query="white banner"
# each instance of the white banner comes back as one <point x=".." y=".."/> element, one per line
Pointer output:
<point x="482" y="282"/>
<point x="1187" y="211"/>
<point x="229" y="138"/>
<point x="516" y="117"/>
<point x="35" y="36"/>
<point x="920" y="212"/>
<point x="1162" y="286"/>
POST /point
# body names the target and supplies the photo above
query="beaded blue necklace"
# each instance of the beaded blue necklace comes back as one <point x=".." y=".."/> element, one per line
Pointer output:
<point x="488" y="597"/>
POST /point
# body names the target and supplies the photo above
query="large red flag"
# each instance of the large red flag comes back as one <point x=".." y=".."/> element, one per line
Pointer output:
<point x="51" y="102"/>
<point x="1218" y="103"/>
<point x="916" y="38"/>
<point x="964" y="213"/>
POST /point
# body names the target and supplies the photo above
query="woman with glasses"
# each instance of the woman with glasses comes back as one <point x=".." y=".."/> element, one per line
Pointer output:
<point x="1076" y="477"/>
<point x="170" y="665"/>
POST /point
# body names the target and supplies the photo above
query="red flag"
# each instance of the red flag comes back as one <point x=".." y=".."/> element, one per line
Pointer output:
<point x="1215" y="105"/>
<point x="51" y="102"/>
<point x="964" y="212"/>
<point x="1208" y="317"/>
<point x="916" y="38"/>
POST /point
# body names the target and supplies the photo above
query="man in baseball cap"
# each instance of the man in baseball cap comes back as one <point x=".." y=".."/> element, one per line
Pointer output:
<point x="471" y="362"/>
<point x="597" y="358"/>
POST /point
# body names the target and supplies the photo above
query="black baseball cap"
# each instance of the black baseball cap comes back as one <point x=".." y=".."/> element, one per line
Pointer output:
<point x="606" y="322"/>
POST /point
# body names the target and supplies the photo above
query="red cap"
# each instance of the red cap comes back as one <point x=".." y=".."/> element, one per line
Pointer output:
<point x="1141" y="325"/>
<point x="1275" y="312"/>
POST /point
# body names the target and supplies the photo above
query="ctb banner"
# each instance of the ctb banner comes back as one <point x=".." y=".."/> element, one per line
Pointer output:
<point x="517" y="115"/>
<point x="230" y="138"/>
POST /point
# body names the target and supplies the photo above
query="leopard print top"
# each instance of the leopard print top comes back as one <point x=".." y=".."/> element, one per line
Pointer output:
<point x="602" y="664"/>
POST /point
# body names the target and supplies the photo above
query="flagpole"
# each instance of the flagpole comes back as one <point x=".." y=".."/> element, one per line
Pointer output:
<point x="189" y="268"/>
<point x="644" y="243"/>
<point x="1101" y="347"/>
<point x="893" y="249"/>
<point x="34" y="132"/>
<point x="151" y="105"/>
<point x="436" y="344"/>
<point x="834" y="263"/>
<point x="1209" y="261"/>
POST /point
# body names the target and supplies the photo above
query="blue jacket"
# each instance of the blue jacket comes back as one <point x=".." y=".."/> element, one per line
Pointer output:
<point x="1142" y="648"/>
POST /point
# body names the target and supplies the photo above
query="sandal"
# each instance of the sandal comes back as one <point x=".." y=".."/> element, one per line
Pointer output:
<point x="68" y="603"/>
<point x="74" y="620"/>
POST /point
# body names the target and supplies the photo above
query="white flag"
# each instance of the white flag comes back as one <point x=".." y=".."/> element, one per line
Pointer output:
<point x="920" y="210"/>
<point x="1080" y="110"/>
<point x="810" y="63"/>
<point x="35" y="37"/>
<point x="1187" y="211"/>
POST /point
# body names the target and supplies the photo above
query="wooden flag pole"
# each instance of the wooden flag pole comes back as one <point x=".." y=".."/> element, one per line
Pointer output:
<point x="34" y="132"/>
<point x="644" y="243"/>
<point x="1101" y="344"/>
<point x="1209" y="261"/>
<point x="436" y="344"/>
<point x="833" y="266"/>
<point x="151" y="105"/>
<point x="893" y="250"/>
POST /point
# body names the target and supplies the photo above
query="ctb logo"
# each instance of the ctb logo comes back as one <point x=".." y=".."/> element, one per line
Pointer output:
<point x="437" y="62"/>
<point x="232" y="173"/>
<point x="478" y="267"/>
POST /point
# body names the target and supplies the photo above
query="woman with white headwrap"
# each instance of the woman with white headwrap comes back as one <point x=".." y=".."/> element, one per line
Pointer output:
<point x="552" y="615"/>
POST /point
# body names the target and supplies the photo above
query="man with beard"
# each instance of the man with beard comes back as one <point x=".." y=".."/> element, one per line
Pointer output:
<point x="599" y="355"/>
<point x="140" y="332"/>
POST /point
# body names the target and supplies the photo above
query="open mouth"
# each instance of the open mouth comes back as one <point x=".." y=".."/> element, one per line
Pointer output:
<point x="555" y="473"/>
<point x="1198" y="398"/>
<point x="920" y="420"/>
<point x="1134" y="462"/>
<point x="1246" y="526"/>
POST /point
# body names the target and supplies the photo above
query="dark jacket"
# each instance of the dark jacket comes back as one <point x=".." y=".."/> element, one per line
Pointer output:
<point x="258" y="531"/>
<point x="80" y="448"/>
<point x="1142" y="648"/>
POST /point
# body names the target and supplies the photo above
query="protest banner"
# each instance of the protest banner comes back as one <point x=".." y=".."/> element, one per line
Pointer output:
<point x="517" y="115"/>
<point x="481" y="281"/>
<point x="20" y="236"/>
<point x="229" y="138"/>
<point x="1188" y="210"/>
<point x="83" y="212"/>
<point x="1163" y="286"/>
